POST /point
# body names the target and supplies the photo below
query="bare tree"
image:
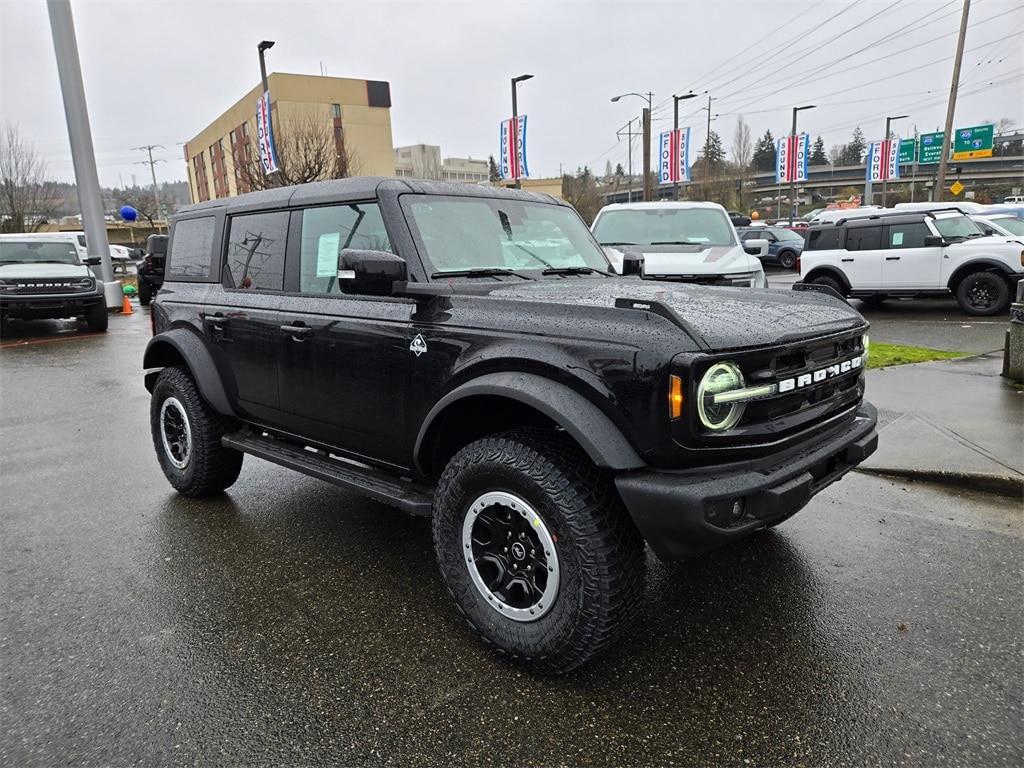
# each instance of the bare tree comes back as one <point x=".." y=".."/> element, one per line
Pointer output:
<point x="27" y="198"/>
<point x="582" y="193"/>
<point x="142" y="200"/>
<point x="742" y="155"/>
<point x="308" y="149"/>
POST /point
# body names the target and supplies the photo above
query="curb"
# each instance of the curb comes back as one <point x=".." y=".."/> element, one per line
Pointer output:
<point x="1000" y="485"/>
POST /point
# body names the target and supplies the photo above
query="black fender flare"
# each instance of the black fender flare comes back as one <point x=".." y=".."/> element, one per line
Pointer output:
<point x="830" y="271"/>
<point x="197" y="357"/>
<point x="978" y="265"/>
<point x="588" y="425"/>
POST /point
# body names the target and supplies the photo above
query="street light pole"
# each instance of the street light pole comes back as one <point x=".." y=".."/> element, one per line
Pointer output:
<point x="646" y="127"/>
<point x="793" y="204"/>
<point x="265" y="45"/>
<point x="888" y="122"/>
<point x="90" y="199"/>
<point x="675" y="129"/>
<point x="515" y="120"/>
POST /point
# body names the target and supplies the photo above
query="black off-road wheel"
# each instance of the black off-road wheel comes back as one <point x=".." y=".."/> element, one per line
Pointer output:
<point x="831" y="282"/>
<point x="983" y="293"/>
<point x="96" y="317"/>
<point x="787" y="259"/>
<point x="186" y="436"/>
<point x="145" y="293"/>
<point x="537" y="549"/>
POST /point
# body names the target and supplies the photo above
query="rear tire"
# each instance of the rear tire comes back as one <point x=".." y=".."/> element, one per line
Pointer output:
<point x="145" y="293"/>
<point x="96" y="317"/>
<point x="983" y="293"/>
<point x="186" y="436"/>
<point x="831" y="282"/>
<point x="787" y="259"/>
<point x="536" y="487"/>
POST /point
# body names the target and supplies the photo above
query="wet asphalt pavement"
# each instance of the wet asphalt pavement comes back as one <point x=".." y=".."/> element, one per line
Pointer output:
<point x="291" y="623"/>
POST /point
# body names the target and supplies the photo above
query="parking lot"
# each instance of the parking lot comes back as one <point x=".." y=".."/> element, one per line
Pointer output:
<point x="289" y="622"/>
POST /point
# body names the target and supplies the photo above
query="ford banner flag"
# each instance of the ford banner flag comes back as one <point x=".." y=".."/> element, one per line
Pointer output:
<point x="883" y="160"/>
<point x="513" y="149"/>
<point x="265" y="135"/>
<point x="792" y="156"/>
<point x="674" y="156"/>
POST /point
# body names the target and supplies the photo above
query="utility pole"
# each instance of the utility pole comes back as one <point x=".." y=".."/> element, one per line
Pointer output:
<point x="90" y="200"/>
<point x="629" y="154"/>
<point x="646" y="127"/>
<point x="148" y="149"/>
<point x="515" y="121"/>
<point x="947" y="136"/>
<point x="675" y="130"/>
<point x="707" y="149"/>
<point x="888" y="122"/>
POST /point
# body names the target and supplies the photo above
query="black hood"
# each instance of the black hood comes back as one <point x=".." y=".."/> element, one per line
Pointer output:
<point x="717" y="318"/>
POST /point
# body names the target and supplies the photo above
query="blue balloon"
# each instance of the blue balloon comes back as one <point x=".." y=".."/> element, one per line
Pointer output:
<point x="128" y="213"/>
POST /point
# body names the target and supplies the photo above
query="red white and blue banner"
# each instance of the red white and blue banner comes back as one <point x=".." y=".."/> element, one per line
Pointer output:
<point x="513" y="149"/>
<point x="883" y="160"/>
<point x="792" y="155"/>
<point x="674" y="156"/>
<point x="265" y="135"/>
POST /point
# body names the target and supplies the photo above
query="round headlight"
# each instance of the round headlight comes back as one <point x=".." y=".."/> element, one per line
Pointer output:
<point x="721" y="377"/>
<point x="867" y="350"/>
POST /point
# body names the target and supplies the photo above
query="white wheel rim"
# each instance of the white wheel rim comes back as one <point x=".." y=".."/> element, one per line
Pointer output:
<point x="177" y="440"/>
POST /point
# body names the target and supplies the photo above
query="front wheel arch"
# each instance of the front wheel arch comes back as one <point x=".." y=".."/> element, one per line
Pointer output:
<point x="835" y="274"/>
<point x="183" y="348"/>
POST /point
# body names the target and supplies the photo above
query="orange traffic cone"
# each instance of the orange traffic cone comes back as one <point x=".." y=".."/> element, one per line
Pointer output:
<point x="126" y="306"/>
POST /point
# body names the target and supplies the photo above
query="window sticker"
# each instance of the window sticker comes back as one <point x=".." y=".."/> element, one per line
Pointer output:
<point x="897" y="238"/>
<point x="327" y="254"/>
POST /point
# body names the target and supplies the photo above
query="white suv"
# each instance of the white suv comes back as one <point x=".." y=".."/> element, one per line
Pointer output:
<point x="914" y="253"/>
<point x="679" y="241"/>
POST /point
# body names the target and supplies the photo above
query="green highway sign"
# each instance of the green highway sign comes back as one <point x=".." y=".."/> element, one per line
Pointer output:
<point x="930" y="150"/>
<point x="969" y="143"/>
<point x="907" y="153"/>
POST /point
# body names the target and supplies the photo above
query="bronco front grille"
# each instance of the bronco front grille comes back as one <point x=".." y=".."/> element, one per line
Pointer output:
<point x="43" y="287"/>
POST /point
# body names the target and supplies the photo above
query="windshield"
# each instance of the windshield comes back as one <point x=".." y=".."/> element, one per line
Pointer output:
<point x="787" y="234"/>
<point x="693" y="226"/>
<point x="473" y="233"/>
<point x="1010" y="224"/>
<point x="35" y="252"/>
<point x="951" y="227"/>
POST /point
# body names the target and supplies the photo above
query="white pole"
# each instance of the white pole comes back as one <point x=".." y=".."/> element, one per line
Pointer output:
<point x="62" y="27"/>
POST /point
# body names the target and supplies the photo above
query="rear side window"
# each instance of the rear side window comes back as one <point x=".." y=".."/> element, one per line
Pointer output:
<point x="863" y="238"/>
<point x="256" y="246"/>
<point x="908" y="235"/>
<point x="823" y="239"/>
<point x="326" y="232"/>
<point x="192" y="249"/>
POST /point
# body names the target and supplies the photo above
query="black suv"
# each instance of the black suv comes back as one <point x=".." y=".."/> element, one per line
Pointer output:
<point x="463" y="353"/>
<point x="151" y="269"/>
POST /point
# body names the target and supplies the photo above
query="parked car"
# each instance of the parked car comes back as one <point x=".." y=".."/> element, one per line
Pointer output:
<point x="914" y="253"/>
<point x="407" y="341"/>
<point x="1013" y="200"/>
<point x="45" y="278"/>
<point x="680" y="241"/>
<point x="120" y="256"/>
<point x="151" y="269"/>
<point x="784" y="245"/>
<point x="739" y="219"/>
<point x="1001" y="224"/>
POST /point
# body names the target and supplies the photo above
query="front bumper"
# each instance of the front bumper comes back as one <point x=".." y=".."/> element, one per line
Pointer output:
<point x="683" y="513"/>
<point x="41" y="306"/>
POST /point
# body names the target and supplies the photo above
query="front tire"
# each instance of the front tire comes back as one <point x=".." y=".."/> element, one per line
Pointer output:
<point x="983" y="293"/>
<point x="186" y="436"/>
<point x="787" y="259"/>
<point x="831" y="282"/>
<point x="96" y="317"/>
<point x="540" y="491"/>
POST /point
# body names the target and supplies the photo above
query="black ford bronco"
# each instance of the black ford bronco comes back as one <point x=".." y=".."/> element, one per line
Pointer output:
<point x="463" y="353"/>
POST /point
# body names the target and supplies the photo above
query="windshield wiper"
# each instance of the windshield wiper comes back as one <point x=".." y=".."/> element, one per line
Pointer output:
<point x="479" y="272"/>
<point x="678" y="242"/>
<point x="575" y="271"/>
<point x="622" y="242"/>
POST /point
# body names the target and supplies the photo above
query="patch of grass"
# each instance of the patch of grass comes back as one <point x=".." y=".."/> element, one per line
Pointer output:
<point x="882" y="355"/>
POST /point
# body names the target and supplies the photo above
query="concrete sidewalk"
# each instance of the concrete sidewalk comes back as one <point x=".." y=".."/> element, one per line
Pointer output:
<point x="956" y="421"/>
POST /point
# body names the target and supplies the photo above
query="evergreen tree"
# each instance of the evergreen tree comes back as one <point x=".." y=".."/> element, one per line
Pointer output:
<point x="619" y="170"/>
<point x="494" y="173"/>
<point x="764" y="153"/>
<point x="713" y="149"/>
<point x="853" y="153"/>
<point x="608" y="169"/>
<point x="818" y="156"/>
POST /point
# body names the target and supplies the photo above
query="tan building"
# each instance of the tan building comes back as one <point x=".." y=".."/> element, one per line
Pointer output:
<point x="356" y="112"/>
<point x="423" y="161"/>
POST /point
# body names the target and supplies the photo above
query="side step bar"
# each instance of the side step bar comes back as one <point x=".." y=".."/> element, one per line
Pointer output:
<point x="408" y="496"/>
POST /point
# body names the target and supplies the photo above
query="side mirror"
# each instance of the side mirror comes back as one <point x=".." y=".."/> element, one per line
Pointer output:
<point x="370" y="273"/>
<point x="934" y="241"/>
<point x="93" y="261"/>
<point x="757" y="248"/>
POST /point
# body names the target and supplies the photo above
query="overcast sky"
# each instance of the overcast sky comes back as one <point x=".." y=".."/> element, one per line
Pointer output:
<point x="158" y="72"/>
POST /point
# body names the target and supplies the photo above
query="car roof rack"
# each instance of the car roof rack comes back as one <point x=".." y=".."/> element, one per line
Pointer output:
<point x="890" y="214"/>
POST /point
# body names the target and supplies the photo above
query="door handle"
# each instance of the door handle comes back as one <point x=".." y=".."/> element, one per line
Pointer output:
<point x="845" y="260"/>
<point x="216" y="325"/>
<point x="892" y="258"/>
<point x="297" y="332"/>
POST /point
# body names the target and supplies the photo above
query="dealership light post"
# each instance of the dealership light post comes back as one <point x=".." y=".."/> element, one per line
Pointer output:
<point x="675" y="129"/>
<point x="515" y="116"/>
<point x="90" y="200"/>
<point x="888" y="122"/>
<point x="264" y="46"/>
<point x="647" y="139"/>
<point x="793" y="205"/>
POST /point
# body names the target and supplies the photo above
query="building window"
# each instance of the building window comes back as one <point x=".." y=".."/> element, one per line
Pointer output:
<point x="234" y="137"/>
<point x="336" y="111"/>
<point x="245" y="129"/>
